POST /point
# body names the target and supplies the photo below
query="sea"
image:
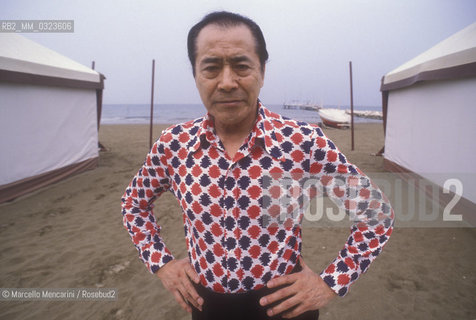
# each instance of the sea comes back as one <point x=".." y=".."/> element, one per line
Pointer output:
<point x="178" y="113"/>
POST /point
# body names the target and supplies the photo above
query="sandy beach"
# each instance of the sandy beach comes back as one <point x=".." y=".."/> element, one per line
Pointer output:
<point x="70" y="235"/>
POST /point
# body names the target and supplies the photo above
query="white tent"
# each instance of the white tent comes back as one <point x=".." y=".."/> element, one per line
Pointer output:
<point x="49" y="116"/>
<point x="429" y="106"/>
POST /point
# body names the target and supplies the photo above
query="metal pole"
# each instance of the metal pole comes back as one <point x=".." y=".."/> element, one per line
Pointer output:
<point x="152" y="104"/>
<point x="93" y="65"/>
<point x="351" y="106"/>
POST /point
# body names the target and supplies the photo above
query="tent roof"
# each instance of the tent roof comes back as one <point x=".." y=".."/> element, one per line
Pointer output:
<point x="453" y="57"/>
<point x="19" y="55"/>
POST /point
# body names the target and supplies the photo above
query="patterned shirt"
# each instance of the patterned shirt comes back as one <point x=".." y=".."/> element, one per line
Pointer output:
<point x="236" y="234"/>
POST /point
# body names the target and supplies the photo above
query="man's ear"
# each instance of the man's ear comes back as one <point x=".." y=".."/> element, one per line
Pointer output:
<point x="263" y="71"/>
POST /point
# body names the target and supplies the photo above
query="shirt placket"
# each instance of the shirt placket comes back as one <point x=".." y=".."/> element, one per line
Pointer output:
<point x="233" y="172"/>
<point x="226" y="232"/>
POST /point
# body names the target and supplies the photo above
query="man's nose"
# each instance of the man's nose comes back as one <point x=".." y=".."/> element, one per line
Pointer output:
<point x="227" y="80"/>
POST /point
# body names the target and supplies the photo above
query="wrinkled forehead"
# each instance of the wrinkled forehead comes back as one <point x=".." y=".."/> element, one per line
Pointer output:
<point x="218" y="37"/>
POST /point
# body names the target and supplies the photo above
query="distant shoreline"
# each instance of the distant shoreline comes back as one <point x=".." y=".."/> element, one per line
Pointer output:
<point x="179" y="113"/>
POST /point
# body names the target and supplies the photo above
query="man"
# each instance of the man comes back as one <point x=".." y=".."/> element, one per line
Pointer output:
<point x="239" y="266"/>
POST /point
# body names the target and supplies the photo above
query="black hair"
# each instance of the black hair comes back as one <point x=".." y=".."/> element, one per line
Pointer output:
<point x="226" y="19"/>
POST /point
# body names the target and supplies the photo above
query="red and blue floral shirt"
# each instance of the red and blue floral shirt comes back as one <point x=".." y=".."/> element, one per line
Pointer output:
<point x="242" y="216"/>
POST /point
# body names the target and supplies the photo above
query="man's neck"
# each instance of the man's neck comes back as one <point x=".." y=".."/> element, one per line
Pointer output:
<point x="232" y="137"/>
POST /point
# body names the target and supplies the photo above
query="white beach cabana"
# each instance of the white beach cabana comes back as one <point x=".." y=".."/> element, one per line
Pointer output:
<point x="50" y="108"/>
<point x="429" y="106"/>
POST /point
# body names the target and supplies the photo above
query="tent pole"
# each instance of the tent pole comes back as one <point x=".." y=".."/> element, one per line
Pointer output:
<point x="99" y="104"/>
<point x="152" y="105"/>
<point x="351" y="105"/>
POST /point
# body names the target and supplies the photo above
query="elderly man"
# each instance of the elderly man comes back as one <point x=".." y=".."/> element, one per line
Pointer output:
<point x="239" y="266"/>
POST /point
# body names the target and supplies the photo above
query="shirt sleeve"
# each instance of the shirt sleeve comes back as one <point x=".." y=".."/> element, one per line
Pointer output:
<point x="150" y="182"/>
<point x="366" y="206"/>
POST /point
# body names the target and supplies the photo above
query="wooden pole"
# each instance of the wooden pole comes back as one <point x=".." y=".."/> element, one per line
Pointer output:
<point x="152" y="104"/>
<point x="351" y="106"/>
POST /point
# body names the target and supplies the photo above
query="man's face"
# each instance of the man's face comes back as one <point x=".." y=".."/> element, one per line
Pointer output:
<point x="228" y="74"/>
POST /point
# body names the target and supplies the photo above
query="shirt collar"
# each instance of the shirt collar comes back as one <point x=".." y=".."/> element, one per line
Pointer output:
<point x="205" y="132"/>
<point x="263" y="132"/>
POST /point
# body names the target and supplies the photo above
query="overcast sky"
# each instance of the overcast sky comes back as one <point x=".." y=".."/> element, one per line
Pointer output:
<point x="310" y="42"/>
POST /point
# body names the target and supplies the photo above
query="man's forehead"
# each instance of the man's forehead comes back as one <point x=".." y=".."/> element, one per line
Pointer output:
<point x="217" y="28"/>
<point x="235" y="42"/>
<point x="234" y="36"/>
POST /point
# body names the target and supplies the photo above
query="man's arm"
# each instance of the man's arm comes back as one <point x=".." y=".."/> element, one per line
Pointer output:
<point x="148" y="184"/>
<point x="372" y="218"/>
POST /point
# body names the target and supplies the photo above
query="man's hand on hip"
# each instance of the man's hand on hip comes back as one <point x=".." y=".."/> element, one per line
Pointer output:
<point x="305" y="291"/>
<point x="176" y="276"/>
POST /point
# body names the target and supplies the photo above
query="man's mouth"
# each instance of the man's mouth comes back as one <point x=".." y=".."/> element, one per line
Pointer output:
<point x="228" y="102"/>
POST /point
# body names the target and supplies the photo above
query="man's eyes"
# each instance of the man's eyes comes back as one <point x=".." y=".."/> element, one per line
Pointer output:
<point x="238" y="67"/>
<point x="211" y="68"/>
<point x="242" y="67"/>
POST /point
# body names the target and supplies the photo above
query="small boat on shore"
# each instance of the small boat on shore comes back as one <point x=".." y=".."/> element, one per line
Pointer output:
<point x="335" y="118"/>
<point x="378" y="115"/>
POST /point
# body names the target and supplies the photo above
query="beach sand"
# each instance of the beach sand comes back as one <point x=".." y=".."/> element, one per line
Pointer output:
<point x="70" y="235"/>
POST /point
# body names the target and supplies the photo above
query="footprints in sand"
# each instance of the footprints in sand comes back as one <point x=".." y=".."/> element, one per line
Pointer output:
<point x="44" y="230"/>
<point x="115" y="269"/>
<point x="58" y="211"/>
<point x="99" y="196"/>
<point x="50" y="213"/>
<point x="99" y="188"/>
<point x="396" y="282"/>
<point x="5" y="226"/>
<point x="65" y="197"/>
<point x="99" y="180"/>
<point x="107" y="189"/>
<point x="118" y="314"/>
<point x="104" y="272"/>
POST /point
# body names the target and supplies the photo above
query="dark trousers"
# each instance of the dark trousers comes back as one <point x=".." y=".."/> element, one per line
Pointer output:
<point x="240" y="306"/>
